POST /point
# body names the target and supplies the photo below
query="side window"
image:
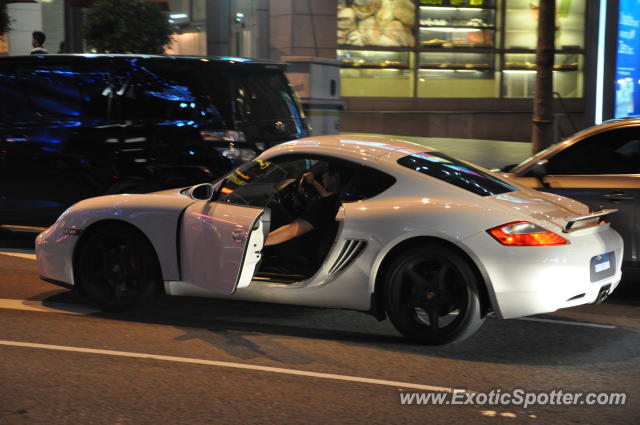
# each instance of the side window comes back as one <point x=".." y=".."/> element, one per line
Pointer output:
<point x="456" y="173"/>
<point x="97" y="91"/>
<point x="612" y="152"/>
<point x="367" y="183"/>
<point x="263" y="96"/>
<point x="158" y="91"/>
<point x="52" y="91"/>
<point x="256" y="182"/>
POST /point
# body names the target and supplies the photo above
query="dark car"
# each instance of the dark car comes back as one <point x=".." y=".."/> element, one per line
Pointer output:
<point x="599" y="166"/>
<point x="77" y="126"/>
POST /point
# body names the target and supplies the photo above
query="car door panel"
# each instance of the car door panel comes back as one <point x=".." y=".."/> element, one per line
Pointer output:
<point x="220" y="245"/>
<point x="604" y="192"/>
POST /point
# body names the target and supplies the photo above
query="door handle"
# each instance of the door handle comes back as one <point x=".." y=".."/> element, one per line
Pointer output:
<point x="617" y="196"/>
<point x="238" y="235"/>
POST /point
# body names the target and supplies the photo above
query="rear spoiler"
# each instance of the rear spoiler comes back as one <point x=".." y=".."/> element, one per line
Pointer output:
<point x="594" y="217"/>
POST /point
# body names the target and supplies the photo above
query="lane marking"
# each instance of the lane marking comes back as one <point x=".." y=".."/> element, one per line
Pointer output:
<point x="26" y="255"/>
<point x="75" y="309"/>
<point x="231" y="365"/>
<point x="567" y="322"/>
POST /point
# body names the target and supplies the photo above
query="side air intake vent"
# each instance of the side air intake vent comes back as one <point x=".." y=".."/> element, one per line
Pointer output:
<point x="350" y="250"/>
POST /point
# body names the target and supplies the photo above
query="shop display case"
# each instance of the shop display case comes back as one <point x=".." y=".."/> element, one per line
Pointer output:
<point x="519" y="74"/>
<point x="376" y="73"/>
<point x="463" y="48"/>
<point x="457" y="23"/>
<point x="527" y="61"/>
<point x="457" y="74"/>
<point x="373" y="59"/>
<point x="376" y="23"/>
<point x="521" y="24"/>
<point x="457" y="61"/>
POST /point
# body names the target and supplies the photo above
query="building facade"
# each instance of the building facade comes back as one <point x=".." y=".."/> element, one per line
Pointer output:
<point x="439" y="68"/>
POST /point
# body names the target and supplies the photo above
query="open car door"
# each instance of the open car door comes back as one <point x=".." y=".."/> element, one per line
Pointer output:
<point x="220" y="244"/>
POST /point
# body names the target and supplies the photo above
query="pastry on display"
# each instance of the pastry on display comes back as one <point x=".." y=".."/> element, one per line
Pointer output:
<point x="387" y="23"/>
<point x="365" y="8"/>
<point x="434" y="42"/>
<point x="347" y="28"/>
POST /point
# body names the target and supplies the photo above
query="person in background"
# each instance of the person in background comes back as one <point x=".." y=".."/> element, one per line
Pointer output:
<point x="37" y="41"/>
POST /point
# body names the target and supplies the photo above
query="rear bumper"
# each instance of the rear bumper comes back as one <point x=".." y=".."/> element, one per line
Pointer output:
<point x="523" y="281"/>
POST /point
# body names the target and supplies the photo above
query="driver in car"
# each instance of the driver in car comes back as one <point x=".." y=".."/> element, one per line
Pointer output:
<point x="318" y="213"/>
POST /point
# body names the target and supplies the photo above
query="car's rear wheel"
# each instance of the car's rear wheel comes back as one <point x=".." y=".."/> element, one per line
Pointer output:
<point x="117" y="267"/>
<point x="432" y="295"/>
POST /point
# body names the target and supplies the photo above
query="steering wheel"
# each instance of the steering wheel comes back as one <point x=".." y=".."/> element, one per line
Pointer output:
<point x="296" y="196"/>
<point x="305" y="193"/>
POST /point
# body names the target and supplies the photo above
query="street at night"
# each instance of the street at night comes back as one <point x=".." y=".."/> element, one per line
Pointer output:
<point x="319" y="212"/>
<point x="196" y="361"/>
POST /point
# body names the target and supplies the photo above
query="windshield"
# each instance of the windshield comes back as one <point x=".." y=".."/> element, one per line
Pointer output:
<point x="253" y="183"/>
<point x="532" y="159"/>
<point x="455" y="172"/>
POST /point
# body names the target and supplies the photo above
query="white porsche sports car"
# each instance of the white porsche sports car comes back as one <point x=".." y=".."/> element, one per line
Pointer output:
<point x="404" y="232"/>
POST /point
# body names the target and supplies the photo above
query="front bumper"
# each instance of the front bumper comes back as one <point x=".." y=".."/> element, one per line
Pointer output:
<point x="523" y="281"/>
<point x="54" y="254"/>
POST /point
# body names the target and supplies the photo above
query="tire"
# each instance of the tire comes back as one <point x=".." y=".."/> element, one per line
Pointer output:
<point x="117" y="267"/>
<point x="431" y="295"/>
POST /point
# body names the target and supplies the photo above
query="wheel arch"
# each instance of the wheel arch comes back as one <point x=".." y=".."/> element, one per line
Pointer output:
<point x="97" y="225"/>
<point x="378" y="308"/>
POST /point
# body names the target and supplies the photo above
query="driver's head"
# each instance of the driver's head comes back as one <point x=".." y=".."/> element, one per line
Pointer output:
<point x="332" y="178"/>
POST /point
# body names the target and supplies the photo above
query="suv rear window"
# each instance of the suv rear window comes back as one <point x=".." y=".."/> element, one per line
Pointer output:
<point x="265" y="96"/>
<point x="457" y="173"/>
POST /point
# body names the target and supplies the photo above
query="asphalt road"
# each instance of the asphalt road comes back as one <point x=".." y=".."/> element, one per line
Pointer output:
<point x="205" y="361"/>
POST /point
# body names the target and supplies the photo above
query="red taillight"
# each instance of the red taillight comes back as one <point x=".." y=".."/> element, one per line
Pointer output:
<point x="524" y="233"/>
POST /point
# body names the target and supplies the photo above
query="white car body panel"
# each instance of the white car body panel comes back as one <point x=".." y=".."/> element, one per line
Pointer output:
<point x="156" y="215"/>
<point x="519" y="280"/>
<point x="213" y="237"/>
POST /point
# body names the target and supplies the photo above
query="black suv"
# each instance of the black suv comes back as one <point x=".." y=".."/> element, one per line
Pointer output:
<point x="76" y="126"/>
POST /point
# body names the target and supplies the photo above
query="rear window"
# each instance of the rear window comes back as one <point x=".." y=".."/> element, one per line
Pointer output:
<point x="457" y="173"/>
<point x="264" y="96"/>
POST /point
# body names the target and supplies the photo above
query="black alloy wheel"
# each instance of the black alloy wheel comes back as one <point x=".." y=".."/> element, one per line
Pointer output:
<point x="432" y="295"/>
<point x="117" y="267"/>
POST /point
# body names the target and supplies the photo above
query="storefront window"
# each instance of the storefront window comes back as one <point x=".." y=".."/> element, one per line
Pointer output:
<point x="376" y="73"/>
<point x="453" y="74"/>
<point x="519" y="77"/>
<point x="188" y="18"/>
<point x="461" y="48"/>
<point x="459" y="26"/>
<point x="522" y="24"/>
<point x="199" y="10"/>
<point x="376" y="23"/>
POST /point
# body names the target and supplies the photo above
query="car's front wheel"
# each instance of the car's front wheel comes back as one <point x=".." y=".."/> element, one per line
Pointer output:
<point x="432" y="295"/>
<point x="117" y="267"/>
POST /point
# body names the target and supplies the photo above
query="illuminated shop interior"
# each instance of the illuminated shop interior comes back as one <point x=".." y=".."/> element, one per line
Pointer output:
<point x="455" y="48"/>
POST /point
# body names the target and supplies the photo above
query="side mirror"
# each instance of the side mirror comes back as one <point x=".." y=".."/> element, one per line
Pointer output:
<point x="539" y="169"/>
<point x="201" y="192"/>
